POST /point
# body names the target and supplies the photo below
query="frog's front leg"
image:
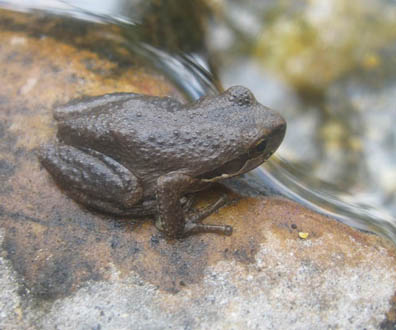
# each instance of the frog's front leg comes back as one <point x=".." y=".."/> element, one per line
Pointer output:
<point x="92" y="178"/>
<point x="171" y="216"/>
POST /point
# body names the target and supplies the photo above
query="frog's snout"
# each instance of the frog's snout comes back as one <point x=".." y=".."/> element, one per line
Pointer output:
<point x="280" y="128"/>
<point x="277" y="133"/>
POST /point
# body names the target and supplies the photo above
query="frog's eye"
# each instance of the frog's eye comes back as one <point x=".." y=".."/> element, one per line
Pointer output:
<point x="258" y="149"/>
<point x="241" y="96"/>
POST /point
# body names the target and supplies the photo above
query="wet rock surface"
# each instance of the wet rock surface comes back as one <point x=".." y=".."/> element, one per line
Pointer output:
<point x="64" y="267"/>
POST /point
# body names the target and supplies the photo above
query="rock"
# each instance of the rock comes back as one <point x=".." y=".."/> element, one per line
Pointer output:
<point x="64" y="267"/>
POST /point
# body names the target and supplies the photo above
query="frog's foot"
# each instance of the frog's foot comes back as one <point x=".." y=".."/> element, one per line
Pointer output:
<point x="194" y="225"/>
<point x="174" y="216"/>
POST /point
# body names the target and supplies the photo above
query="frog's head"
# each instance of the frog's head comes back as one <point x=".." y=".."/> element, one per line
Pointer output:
<point x="256" y="132"/>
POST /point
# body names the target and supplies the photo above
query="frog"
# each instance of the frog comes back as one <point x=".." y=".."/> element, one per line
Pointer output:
<point x="135" y="155"/>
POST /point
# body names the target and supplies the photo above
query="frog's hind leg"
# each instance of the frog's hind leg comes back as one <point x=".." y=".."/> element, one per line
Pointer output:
<point x="92" y="178"/>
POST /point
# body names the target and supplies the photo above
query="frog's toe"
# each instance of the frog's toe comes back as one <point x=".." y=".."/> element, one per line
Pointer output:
<point x="202" y="214"/>
<point x="195" y="228"/>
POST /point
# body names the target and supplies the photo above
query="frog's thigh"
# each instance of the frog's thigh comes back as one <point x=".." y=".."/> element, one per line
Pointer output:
<point x="91" y="177"/>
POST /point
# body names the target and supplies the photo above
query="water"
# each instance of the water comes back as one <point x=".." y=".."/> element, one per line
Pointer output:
<point x="338" y="157"/>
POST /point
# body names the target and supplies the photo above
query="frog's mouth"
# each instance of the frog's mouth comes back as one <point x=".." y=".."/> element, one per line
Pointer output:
<point x="234" y="167"/>
<point x="227" y="170"/>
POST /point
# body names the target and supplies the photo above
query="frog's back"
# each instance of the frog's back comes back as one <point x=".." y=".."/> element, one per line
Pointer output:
<point x="144" y="133"/>
<point x="111" y="104"/>
<point x="155" y="135"/>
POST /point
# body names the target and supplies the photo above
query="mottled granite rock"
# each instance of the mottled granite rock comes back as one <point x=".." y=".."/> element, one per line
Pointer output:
<point x="64" y="267"/>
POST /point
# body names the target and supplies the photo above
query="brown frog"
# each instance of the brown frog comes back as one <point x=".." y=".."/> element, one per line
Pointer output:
<point x="137" y="155"/>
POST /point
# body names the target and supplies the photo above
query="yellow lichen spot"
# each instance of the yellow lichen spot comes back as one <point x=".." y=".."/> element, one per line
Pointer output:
<point x="18" y="311"/>
<point x="371" y="61"/>
<point x="303" y="235"/>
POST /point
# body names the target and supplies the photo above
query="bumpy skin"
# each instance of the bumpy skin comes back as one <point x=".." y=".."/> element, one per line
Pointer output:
<point x="138" y="155"/>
